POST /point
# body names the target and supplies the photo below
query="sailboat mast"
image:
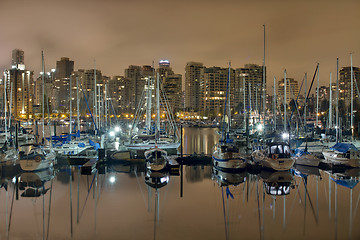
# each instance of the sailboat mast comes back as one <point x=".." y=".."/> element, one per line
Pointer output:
<point x="70" y="87"/>
<point x="330" y="104"/>
<point x="285" y="83"/>
<point x="148" y="105"/>
<point x="77" y="103"/>
<point x="105" y="105"/>
<point x="317" y="100"/>
<point x="5" y="102"/>
<point x="352" y="100"/>
<point x="99" y="106"/>
<point x="264" y="83"/>
<point x="305" y="105"/>
<point x="244" y="90"/>
<point x="10" y="104"/>
<point x="95" y="99"/>
<point x="250" y="109"/>
<point x="43" y="93"/>
<point x="337" y="100"/>
<point x="274" y="104"/>
<point x="157" y="133"/>
<point x="228" y="100"/>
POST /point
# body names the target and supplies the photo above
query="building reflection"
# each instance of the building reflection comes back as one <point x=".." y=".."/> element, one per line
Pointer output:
<point x="198" y="173"/>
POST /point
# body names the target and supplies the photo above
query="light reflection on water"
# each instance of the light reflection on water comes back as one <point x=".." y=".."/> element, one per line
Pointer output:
<point x="126" y="202"/>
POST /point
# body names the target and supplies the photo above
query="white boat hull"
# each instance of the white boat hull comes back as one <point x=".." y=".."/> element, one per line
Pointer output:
<point x="334" y="158"/>
<point x="277" y="164"/>
<point x="229" y="161"/>
<point x="145" y="146"/>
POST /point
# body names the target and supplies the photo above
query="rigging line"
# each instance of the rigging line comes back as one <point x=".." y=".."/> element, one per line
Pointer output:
<point x="357" y="204"/>
<point x="312" y="82"/>
<point x="258" y="208"/>
<point x="357" y="88"/>
<point x="302" y="83"/>
<point x="92" y="118"/>
<point x="137" y="113"/>
<point x="298" y="190"/>
<point x="112" y="106"/>
<point x="88" y="192"/>
<point x="12" y="204"/>
<point x="222" y="194"/>
<point x="48" y="224"/>
<point x="142" y="192"/>
<point x="169" y="109"/>
<point x="167" y="112"/>
<point x="312" y="207"/>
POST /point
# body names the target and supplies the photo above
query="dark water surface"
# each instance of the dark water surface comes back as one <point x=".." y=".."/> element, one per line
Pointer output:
<point x="125" y="202"/>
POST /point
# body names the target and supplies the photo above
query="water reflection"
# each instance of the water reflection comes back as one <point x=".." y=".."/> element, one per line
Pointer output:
<point x="125" y="201"/>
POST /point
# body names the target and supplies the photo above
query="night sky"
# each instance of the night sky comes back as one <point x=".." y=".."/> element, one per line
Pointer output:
<point x="119" y="33"/>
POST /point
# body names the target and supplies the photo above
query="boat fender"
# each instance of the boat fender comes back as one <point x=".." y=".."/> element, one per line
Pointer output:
<point x="37" y="158"/>
<point x="274" y="156"/>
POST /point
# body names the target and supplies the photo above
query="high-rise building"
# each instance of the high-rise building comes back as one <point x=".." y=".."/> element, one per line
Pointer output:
<point x="345" y="84"/>
<point x="18" y="61"/>
<point x="21" y="83"/>
<point x="64" y="68"/>
<point x="61" y="83"/>
<point x="172" y="84"/>
<point x="249" y="82"/>
<point x="292" y="90"/>
<point x="86" y="81"/>
<point x="135" y="81"/>
<point x="20" y="87"/>
<point x="172" y="87"/>
<point x="213" y="85"/>
<point x="193" y="75"/>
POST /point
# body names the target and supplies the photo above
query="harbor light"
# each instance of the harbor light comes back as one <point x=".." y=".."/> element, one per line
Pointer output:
<point x="285" y="136"/>
<point x="260" y="127"/>
<point x="112" y="179"/>
<point x="112" y="134"/>
<point x="117" y="129"/>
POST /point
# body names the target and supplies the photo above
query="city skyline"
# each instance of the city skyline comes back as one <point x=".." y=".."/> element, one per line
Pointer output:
<point x="117" y="34"/>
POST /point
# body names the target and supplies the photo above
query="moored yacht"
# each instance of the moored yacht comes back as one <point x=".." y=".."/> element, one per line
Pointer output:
<point x="275" y="156"/>
<point x="345" y="154"/>
<point x="35" y="157"/>
<point x="303" y="157"/>
<point x="156" y="159"/>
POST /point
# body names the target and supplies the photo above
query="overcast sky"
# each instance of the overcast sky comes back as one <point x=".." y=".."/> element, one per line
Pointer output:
<point x="119" y="33"/>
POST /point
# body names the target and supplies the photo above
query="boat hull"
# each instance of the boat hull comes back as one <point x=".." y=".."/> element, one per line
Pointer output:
<point x="277" y="164"/>
<point x="229" y="161"/>
<point x="333" y="158"/>
<point x="307" y="160"/>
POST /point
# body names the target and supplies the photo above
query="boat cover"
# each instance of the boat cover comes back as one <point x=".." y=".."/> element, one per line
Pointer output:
<point x="349" y="183"/>
<point x="299" y="152"/>
<point x="343" y="147"/>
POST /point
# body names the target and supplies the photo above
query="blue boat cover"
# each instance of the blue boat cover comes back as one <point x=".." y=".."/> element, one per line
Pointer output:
<point x="299" y="152"/>
<point x="343" y="147"/>
<point x="346" y="182"/>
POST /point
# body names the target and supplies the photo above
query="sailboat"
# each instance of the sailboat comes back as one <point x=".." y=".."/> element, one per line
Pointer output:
<point x="226" y="155"/>
<point x="70" y="145"/>
<point x="153" y="136"/>
<point x="156" y="157"/>
<point x="8" y="153"/>
<point x="33" y="156"/>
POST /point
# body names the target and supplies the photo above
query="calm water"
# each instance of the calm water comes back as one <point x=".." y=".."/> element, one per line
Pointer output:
<point x="124" y="202"/>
